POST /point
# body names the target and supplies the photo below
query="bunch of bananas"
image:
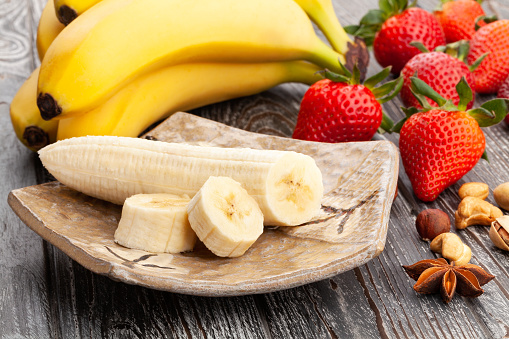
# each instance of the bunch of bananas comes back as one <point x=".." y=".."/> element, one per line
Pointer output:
<point x="115" y="67"/>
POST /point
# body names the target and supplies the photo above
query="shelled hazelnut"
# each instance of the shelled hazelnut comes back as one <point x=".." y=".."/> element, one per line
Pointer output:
<point x="432" y="222"/>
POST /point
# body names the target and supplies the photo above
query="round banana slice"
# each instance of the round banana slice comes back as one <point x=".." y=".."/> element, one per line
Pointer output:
<point x="156" y="223"/>
<point x="294" y="191"/>
<point x="225" y="217"/>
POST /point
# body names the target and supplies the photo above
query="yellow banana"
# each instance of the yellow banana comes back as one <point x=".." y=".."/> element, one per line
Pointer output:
<point x="68" y="10"/>
<point x="183" y="87"/>
<point x="116" y="41"/>
<point x="320" y="11"/>
<point x="30" y="128"/>
<point x="48" y="29"/>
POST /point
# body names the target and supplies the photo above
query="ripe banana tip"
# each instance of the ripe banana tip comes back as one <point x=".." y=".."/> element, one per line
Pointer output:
<point x="48" y="106"/>
<point x="66" y="14"/>
<point x="357" y="54"/>
<point x="36" y="137"/>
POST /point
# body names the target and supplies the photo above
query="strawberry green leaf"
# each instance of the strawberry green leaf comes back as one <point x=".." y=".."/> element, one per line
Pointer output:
<point x="485" y="156"/>
<point x="397" y="127"/>
<point x="334" y="76"/>
<point x="352" y="29"/>
<point x="463" y="49"/>
<point x="483" y="116"/>
<point x="465" y="94"/>
<point x="402" y="5"/>
<point x="386" y="6"/>
<point x="345" y="70"/>
<point x="410" y="111"/>
<point x="440" y="49"/>
<point x="373" y="17"/>
<point x="422" y="91"/>
<point x="420" y="46"/>
<point x="367" y="33"/>
<point x="486" y="19"/>
<point x="477" y="62"/>
<point x="375" y="79"/>
<point x="386" y="125"/>
<point x="393" y="87"/>
<point x="490" y="113"/>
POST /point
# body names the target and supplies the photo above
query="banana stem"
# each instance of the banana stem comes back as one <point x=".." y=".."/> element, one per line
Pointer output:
<point x="323" y="15"/>
<point x="325" y="57"/>
<point x="304" y="72"/>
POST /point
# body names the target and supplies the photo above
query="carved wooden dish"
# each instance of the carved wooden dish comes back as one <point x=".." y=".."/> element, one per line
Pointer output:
<point x="360" y="182"/>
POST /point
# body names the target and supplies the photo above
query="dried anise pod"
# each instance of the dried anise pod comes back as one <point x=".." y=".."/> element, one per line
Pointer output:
<point x="434" y="275"/>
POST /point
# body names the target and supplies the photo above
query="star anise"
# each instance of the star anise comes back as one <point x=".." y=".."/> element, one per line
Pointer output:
<point x="434" y="275"/>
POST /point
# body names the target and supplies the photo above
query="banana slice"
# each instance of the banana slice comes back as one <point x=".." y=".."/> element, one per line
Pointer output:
<point x="225" y="217"/>
<point x="156" y="223"/>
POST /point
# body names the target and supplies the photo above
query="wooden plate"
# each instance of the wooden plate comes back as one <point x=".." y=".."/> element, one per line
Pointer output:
<point x="360" y="182"/>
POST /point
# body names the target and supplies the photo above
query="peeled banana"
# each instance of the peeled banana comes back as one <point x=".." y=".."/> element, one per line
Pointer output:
<point x="93" y="58"/>
<point x="286" y="185"/>
<point x="225" y="217"/>
<point x="68" y="10"/>
<point x="47" y="30"/>
<point x="156" y="223"/>
<point x="30" y="128"/>
<point x="180" y="88"/>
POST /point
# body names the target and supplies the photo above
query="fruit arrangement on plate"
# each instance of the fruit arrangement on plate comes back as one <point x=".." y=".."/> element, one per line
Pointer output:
<point x="105" y="78"/>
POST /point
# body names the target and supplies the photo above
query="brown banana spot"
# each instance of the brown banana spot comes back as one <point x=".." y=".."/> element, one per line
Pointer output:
<point x="36" y="137"/>
<point x="48" y="106"/>
<point x="357" y="54"/>
<point x="66" y="14"/>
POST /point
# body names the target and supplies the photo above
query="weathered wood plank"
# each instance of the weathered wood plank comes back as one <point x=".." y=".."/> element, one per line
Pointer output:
<point x="24" y="304"/>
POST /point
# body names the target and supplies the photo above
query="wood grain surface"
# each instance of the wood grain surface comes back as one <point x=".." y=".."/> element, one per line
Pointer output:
<point x="45" y="294"/>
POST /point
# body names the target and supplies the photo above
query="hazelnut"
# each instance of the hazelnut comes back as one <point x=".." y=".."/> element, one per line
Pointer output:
<point x="474" y="189"/>
<point x="475" y="211"/>
<point x="450" y="246"/>
<point x="432" y="222"/>
<point x="499" y="232"/>
<point x="501" y="195"/>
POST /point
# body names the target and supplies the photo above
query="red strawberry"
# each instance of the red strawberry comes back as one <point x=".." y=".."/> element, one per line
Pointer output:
<point x="440" y="145"/>
<point x="342" y="110"/>
<point x="493" y="39"/>
<point x="457" y="19"/>
<point x="435" y="151"/>
<point x="392" y="43"/>
<point x="392" y="29"/>
<point x="439" y="70"/>
<point x="503" y="93"/>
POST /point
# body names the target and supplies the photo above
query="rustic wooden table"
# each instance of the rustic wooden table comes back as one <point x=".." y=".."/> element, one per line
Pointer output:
<point x="44" y="294"/>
